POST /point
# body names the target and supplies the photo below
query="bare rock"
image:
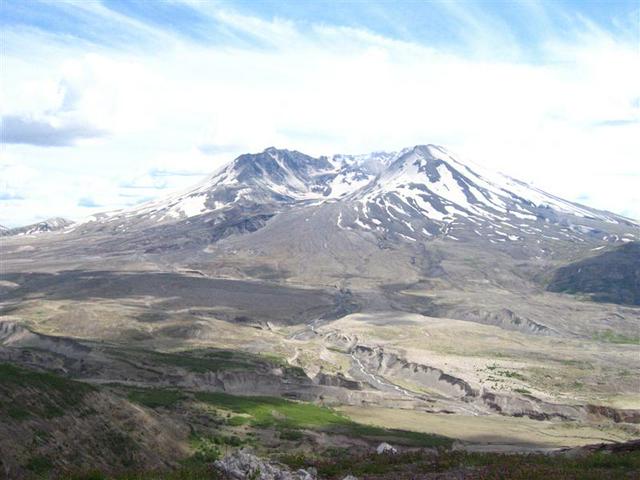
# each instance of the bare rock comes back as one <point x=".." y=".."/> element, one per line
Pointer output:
<point x="243" y="465"/>
<point x="303" y="475"/>
<point x="385" y="448"/>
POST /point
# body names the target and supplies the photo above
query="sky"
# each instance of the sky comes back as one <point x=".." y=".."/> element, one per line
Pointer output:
<point x="106" y="104"/>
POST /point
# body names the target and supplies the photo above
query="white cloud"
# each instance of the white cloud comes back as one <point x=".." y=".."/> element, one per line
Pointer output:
<point x="563" y="122"/>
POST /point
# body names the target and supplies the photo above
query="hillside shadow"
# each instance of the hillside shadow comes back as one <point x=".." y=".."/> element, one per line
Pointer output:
<point x="259" y="300"/>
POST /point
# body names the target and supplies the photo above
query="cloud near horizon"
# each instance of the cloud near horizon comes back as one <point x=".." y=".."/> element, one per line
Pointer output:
<point x="139" y="101"/>
<point x="44" y="133"/>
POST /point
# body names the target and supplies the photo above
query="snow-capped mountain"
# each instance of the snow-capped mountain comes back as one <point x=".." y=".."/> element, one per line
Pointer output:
<point x="48" y="225"/>
<point x="429" y="180"/>
<point x="354" y="221"/>
<point x="272" y="177"/>
<point x="413" y="195"/>
<point x="426" y="191"/>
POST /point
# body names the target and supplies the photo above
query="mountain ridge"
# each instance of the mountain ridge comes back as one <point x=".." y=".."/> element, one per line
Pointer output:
<point x="380" y="218"/>
<point x="388" y="279"/>
<point x="427" y="179"/>
<point x="52" y="224"/>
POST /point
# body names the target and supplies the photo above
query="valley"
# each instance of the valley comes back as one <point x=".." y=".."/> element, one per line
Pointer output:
<point x="296" y="304"/>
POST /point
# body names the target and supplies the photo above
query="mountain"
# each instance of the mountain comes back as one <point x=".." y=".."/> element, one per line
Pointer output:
<point x="410" y="289"/>
<point x="416" y="194"/>
<point x="399" y="223"/>
<point x="612" y="276"/>
<point x="49" y="225"/>
<point x="377" y="219"/>
<point x="266" y="181"/>
<point x="428" y="185"/>
<point x="412" y="195"/>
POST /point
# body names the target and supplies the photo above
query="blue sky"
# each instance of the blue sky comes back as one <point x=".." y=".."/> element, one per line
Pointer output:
<point x="107" y="104"/>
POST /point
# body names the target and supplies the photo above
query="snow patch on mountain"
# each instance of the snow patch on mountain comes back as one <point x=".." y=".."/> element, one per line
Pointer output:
<point x="55" y="224"/>
<point x="427" y="188"/>
<point x="417" y="193"/>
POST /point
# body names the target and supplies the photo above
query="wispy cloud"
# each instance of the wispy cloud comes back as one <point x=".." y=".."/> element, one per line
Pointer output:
<point x="33" y="131"/>
<point x="88" y="202"/>
<point x="617" y="122"/>
<point x="147" y="98"/>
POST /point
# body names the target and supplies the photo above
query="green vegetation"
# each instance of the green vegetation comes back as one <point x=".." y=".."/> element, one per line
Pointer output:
<point x="39" y="464"/>
<point x="503" y="373"/>
<point x="12" y="375"/>
<point x="399" y="437"/>
<point x="122" y="446"/>
<point x="290" y="370"/>
<point x="17" y="412"/>
<point x="289" y="421"/>
<point x="336" y="463"/>
<point x="55" y="394"/>
<point x="154" y="398"/>
<point x="288" y="416"/>
<point x="207" y="360"/>
<point x="90" y="475"/>
<point x="609" y="336"/>
<point x="272" y="411"/>
<point x="213" y="361"/>
<point x="237" y="420"/>
<point x="194" y="471"/>
<point x="291" y="435"/>
<point x="208" y="449"/>
<point x="194" y="361"/>
<point x="511" y="374"/>
<point x="523" y="391"/>
<point x="205" y="450"/>
<point x="202" y="443"/>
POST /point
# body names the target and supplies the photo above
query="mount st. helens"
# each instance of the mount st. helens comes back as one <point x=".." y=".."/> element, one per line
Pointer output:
<point x="415" y="194"/>
<point x="408" y="288"/>
<point x="394" y="222"/>
<point x="382" y="220"/>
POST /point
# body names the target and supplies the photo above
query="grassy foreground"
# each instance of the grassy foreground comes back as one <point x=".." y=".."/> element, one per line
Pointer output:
<point x="290" y="418"/>
<point x="56" y="394"/>
<point x="289" y="427"/>
<point x="335" y="464"/>
<point x="460" y="464"/>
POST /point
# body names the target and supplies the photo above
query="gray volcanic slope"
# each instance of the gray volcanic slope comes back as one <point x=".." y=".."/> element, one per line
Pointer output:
<point x="613" y="276"/>
<point x="373" y="228"/>
<point x="398" y="285"/>
<point x="48" y="225"/>
<point x="374" y="223"/>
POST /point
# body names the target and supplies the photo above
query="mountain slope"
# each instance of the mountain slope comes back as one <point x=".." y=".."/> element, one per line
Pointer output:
<point x="266" y="181"/>
<point x="408" y="286"/>
<point x="612" y="276"/>
<point x="428" y="185"/>
<point x="49" y="225"/>
<point x="377" y="225"/>
<point x="414" y="194"/>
